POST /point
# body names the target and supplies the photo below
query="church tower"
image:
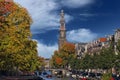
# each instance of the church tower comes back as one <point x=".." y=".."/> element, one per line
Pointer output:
<point x="62" y="31"/>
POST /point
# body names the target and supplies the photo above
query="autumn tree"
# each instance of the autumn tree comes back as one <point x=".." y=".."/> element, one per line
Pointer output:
<point x="67" y="53"/>
<point x="17" y="49"/>
<point x="65" y="56"/>
<point x="56" y="60"/>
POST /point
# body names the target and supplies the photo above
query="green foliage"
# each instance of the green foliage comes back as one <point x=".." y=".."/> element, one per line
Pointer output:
<point x="106" y="76"/>
<point x="118" y="46"/>
<point x="74" y="63"/>
<point x="107" y="58"/>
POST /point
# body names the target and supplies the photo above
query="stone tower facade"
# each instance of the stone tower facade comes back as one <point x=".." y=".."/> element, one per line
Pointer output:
<point x="62" y="30"/>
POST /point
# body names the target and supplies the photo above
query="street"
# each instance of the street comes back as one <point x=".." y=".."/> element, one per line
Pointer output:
<point x="64" y="78"/>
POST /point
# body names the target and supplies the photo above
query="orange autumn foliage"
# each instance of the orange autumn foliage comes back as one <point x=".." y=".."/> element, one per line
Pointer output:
<point x="58" y="60"/>
<point x="68" y="47"/>
<point x="6" y="7"/>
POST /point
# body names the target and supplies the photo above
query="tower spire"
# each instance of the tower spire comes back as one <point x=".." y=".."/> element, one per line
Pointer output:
<point x="62" y="20"/>
<point x="62" y="36"/>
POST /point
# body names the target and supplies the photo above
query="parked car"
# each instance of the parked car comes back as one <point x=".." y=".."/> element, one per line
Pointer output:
<point x="37" y="73"/>
<point x="55" y="72"/>
<point x="46" y="74"/>
<point x="74" y="76"/>
<point x="98" y="75"/>
<point x="59" y="74"/>
<point x="68" y="74"/>
<point x="83" y="74"/>
<point x="91" y="75"/>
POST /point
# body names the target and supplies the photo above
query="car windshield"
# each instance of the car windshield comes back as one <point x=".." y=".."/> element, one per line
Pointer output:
<point x="47" y="73"/>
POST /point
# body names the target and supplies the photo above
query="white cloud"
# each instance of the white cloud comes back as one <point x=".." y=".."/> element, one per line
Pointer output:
<point x="46" y="50"/>
<point x="81" y="35"/>
<point x="76" y="3"/>
<point x="44" y="13"/>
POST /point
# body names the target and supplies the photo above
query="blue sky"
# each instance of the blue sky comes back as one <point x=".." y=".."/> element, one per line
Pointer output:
<point x="86" y="20"/>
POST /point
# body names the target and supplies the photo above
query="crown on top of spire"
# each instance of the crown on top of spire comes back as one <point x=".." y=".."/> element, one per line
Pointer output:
<point x="62" y="11"/>
<point x="62" y="15"/>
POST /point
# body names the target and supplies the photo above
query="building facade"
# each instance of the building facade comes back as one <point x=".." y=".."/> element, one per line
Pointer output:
<point x="97" y="45"/>
<point x="80" y="49"/>
<point x="116" y="38"/>
<point x="117" y="35"/>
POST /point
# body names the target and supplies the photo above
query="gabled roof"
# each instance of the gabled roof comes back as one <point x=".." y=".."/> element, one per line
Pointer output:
<point x="9" y="0"/>
<point x="103" y="39"/>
